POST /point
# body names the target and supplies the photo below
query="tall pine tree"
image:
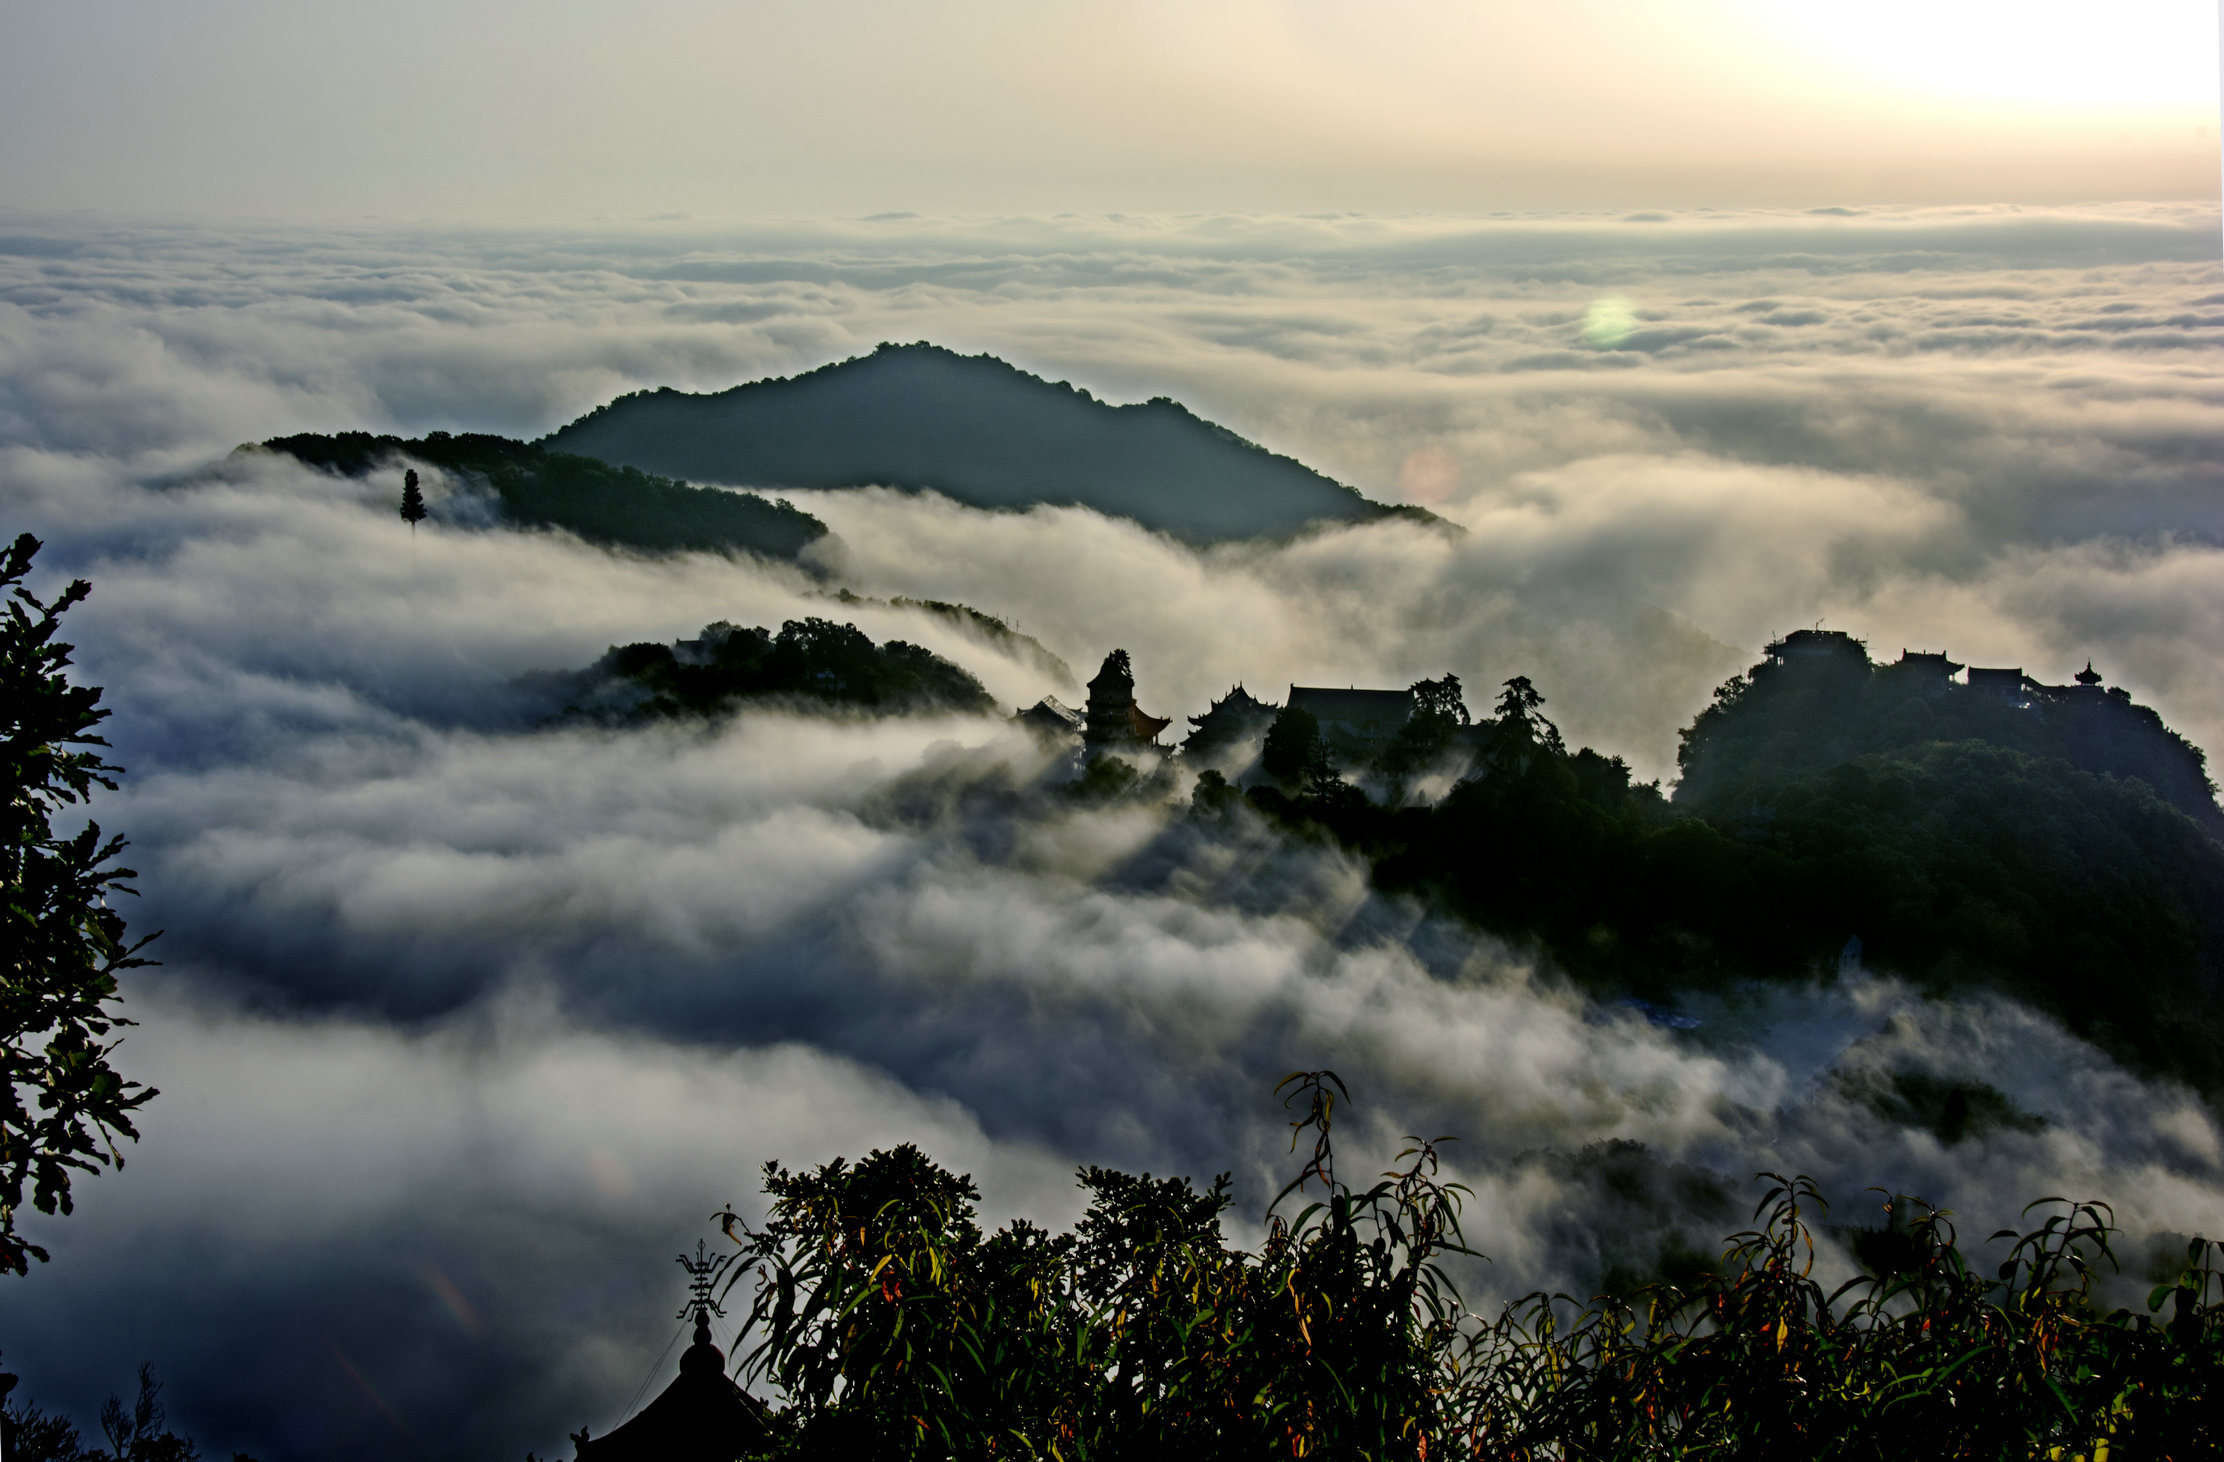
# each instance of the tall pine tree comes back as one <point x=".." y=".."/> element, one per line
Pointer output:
<point x="413" y="501"/>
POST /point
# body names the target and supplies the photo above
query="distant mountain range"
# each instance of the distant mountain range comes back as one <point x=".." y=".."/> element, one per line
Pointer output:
<point x="977" y="430"/>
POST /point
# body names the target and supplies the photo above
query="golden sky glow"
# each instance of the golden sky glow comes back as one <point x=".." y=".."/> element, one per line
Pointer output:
<point x="711" y="107"/>
<point x="2129" y="58"/>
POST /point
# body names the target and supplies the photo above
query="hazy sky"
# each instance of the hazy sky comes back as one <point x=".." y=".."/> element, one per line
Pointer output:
<point x="560" y="109"/>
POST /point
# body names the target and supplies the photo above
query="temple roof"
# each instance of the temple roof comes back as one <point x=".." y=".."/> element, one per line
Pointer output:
<point x="1929" y="662"/>
<point x="1051" y="717"/>
<point x="1804" y="642"/>
<point x="1146" y="725"/>
<point x="701" y="1417"/>
<point x="1386" y="709"/>
<point x="1240" y="699"/>
<point x="1237" y="707"/>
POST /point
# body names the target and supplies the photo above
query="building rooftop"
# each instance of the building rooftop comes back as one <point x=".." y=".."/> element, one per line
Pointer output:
<point x="1234" y="715"/>
<point x="1237" y="702"/>
<point x="701" y="1417"/>
<point x="1051" y="716"/>
<point x="1146" y="725"/>
<point x="1383" y="711"/>
<point x="1802" y="643"/>
<point x="1928" y="662"/>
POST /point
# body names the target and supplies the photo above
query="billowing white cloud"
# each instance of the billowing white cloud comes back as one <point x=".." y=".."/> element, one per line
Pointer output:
<point x="342" y="1238"/>
<point x="468" y="1020"/>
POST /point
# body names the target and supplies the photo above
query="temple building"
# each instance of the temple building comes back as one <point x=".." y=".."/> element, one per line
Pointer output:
<point x="1927" y="664"/>
<point x="1231" y="721"/>
<point x="1818" y="644"/>
<point x="701" y="1417"/>
<point x="1930" y="670"/>
<point x="1051" y="719"/>
<point x="2007" y="684"/>
<point x="1353" y="716"/>
<point x="1113" y="719"/>
<point x="2086" y="689"/>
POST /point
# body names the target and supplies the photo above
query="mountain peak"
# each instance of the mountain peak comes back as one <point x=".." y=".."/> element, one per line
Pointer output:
<point x="977" y="429"/>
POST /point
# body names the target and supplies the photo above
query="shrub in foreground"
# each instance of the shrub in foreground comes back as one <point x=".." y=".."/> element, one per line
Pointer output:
<point x="891" y="1326"/>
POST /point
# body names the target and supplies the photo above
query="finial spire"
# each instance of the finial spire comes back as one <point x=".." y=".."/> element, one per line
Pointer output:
<point x="702" y="1357"/>
<point x="702" y="1277"/>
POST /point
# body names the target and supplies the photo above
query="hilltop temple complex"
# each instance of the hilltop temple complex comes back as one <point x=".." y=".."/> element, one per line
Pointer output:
<point x="1809" y="647"/>
<point x="2096" y="728"/>
<point x="1352" y="719"/>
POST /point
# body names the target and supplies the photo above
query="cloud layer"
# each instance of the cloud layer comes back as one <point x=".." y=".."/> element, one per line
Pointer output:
<point x="467" y="1021"/>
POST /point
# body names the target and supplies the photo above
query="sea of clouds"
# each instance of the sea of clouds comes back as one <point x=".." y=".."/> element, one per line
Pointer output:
<point x="467" y="1021"/>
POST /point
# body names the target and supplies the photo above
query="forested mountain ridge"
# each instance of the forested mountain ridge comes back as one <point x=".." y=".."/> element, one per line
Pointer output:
<point x="1819" y="701"/>
<point x="810" y="661"/>
<point x="986" y="628"/>
<point x="619" y="506"/>
<point x="1946" y="838"/>
<point x="977" y="430"/>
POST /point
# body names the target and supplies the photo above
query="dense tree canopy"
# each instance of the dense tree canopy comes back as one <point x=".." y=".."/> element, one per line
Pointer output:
<point x="1789" y="718"/>
<point x="888" y="1325"/>
<point x="809" y="659"/>
<point x="1956" y="862"/>
<point x="622" y="506"/>
<point x="1439" y="715"/>
<point x="1295" y="749"/>
<point x="63" y="1105"/>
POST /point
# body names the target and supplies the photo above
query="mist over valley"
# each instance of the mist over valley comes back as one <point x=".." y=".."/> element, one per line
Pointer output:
<point x="655" y="807"/>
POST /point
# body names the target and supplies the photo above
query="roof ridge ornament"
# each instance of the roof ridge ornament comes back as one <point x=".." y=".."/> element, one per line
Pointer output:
<point x="702" y="1277"/>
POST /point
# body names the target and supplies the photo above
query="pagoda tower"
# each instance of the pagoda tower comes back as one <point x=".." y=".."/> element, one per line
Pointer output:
<point x="1113" y="719"/>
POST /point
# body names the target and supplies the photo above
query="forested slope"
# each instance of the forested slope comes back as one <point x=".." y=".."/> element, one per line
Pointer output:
<point x="621" y="506"/>
<point x="977" y="430"/>
<point x="1827" y="815"/>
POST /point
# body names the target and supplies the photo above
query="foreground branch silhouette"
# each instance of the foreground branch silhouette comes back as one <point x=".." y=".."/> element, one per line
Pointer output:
<point x="62" y="1105"/>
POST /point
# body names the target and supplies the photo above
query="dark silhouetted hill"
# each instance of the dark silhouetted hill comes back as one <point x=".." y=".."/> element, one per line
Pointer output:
<point x="810" y="663"/>
<point x="979" y="431"/>
<point x="607" y="504"/>
<point x="2053" y="842"/>
<point x="986" y="628"/>
<point x="1818" y="701"/>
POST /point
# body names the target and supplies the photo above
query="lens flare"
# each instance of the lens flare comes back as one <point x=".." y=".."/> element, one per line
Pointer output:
<point x="1429" y="475"/>
<point x="363" y="1384"/>
<point x="466" y="1314"/>
<point x="608" y="1174"/>
<point x="1609" y="322"/>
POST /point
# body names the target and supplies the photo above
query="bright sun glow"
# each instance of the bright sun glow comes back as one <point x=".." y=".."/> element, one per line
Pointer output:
<point x="2139" y="56"/>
